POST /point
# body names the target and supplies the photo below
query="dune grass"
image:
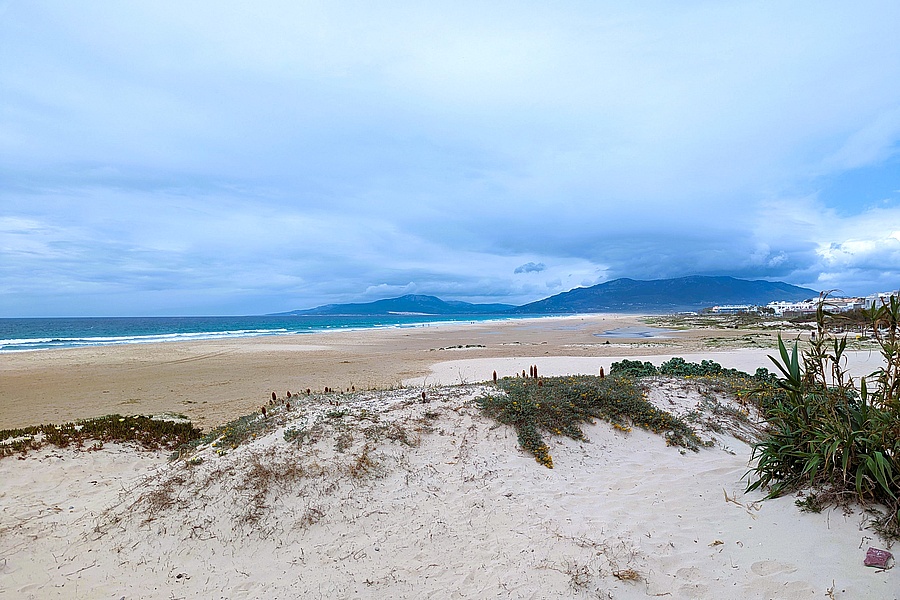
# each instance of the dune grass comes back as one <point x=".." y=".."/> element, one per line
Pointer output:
<point x="148" y="432"/>
<point x="761" y="389"/>
<point x="560" y="405"/>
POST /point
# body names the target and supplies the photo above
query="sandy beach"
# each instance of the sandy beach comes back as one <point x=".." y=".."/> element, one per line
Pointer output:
<point x="213" y="382"/>
<point x="384" y="495"/>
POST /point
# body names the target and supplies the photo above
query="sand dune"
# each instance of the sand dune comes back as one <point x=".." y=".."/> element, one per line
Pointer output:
<point x="382" y="495"/>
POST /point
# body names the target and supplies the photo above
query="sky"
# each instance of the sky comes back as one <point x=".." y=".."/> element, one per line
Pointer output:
<point x="206" y="158"/>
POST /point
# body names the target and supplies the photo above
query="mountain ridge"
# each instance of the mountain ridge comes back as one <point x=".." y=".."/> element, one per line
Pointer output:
<point x="689" y="293"/>
<point x="623" y="295"/>
<point x="407" y="304"/>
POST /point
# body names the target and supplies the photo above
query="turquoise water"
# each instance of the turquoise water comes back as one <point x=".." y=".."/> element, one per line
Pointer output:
<point x="18" y="335"/>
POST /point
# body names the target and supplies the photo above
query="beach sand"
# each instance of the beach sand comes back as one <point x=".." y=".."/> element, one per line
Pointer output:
<point x="212" y="382"/>
<point x="384" y="495"/>
<point x="424" y="500"/>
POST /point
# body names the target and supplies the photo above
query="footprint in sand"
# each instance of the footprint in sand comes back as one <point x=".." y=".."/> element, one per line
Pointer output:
<point x="689" y="574"/>
<point x="764" y="568"/>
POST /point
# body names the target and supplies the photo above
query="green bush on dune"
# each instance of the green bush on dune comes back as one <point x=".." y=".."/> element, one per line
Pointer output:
<point x="837" y="438"/>
<point x="560" y="405"/>
<point x="678" y="367"/>
<point x="633" y="368"/>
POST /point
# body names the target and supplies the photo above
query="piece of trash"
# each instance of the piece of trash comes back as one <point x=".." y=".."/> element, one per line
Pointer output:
<point x="877" y="558"/>
<point x="717" y="543"/>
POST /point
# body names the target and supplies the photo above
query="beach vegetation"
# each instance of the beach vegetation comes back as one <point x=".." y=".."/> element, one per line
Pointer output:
<point x="678" y="367"/>
<point x="560" y="405"/>
<point x="295" y="434"/>
<point x="231" y="434"/>
<point x="759" y="389"/>
<point x="633" y="368"/>
<point x="147" y="432"/>
<point x="343" y="440"/>
<point x="810" y="503"/>
<point x="828" y="432"/>
<point x="363" y="463"/>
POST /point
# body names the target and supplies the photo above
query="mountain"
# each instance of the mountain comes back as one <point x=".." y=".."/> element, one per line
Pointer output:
<point x="620" y="295"/>
<point x="409" y="304"/>
<point x="666" y="295"/>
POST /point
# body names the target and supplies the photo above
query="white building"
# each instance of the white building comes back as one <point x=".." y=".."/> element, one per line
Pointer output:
<point x="783" y="308"/>
<point x="845" y="304"/>
<point x="880" y="298"/>
<point x="733" y="309"/>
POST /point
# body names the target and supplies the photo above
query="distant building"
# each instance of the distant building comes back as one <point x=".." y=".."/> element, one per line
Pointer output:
<point x="734" y="309"/>
<point x="793" y="309"/>
<point x="879" y="298"/>
<point x="783" y="308"/>
<point x="846" y="304"/>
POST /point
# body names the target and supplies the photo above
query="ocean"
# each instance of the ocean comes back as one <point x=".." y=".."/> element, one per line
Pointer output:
<point x="21" y="335"/>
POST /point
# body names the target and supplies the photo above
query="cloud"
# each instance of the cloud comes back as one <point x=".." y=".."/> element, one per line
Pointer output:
<point x="530" y="267"/>
<point x="155" y="160"/>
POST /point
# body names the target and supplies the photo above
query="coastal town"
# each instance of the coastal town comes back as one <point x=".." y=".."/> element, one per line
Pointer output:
<point x="783" y="308"/>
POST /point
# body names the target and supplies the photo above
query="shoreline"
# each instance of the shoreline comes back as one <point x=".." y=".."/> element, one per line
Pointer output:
<point x="167" y="336"/>
<point x="214" y="381"/>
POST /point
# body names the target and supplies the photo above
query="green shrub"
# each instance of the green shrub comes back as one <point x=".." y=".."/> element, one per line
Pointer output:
<point x="830" y="433"/>
<point x="633" y="368"/>
<point x="559" y="405"/>
<point x="232" y="434"/>
<point x="678" y="367"/>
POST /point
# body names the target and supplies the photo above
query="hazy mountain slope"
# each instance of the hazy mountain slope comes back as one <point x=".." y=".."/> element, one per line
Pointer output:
<point x="667" y="295"/>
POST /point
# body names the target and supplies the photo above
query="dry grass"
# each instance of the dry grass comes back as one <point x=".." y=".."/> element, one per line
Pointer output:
<point x="250" y="476"/>
<point x="627" y="575"/>
<point x="147" y="432"/>
<point x="580" y="576"/>
<point x="162" y="497"/>
<point x="363" y="465"/>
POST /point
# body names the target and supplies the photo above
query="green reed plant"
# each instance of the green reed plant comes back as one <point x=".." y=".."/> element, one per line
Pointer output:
<point x="560" y="405"/>
<point x="831" y="433"/>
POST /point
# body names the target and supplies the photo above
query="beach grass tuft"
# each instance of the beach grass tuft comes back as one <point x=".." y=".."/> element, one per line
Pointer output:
<point x="148" y="432"/>
<point x="562" y="404"/>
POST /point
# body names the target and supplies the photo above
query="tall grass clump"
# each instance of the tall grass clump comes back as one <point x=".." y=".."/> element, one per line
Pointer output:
<point x="830" y="434"/>
<point x="559" y="405"/>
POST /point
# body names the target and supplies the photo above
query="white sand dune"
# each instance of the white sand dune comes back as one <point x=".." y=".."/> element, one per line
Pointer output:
<point x="390" y="497"/>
